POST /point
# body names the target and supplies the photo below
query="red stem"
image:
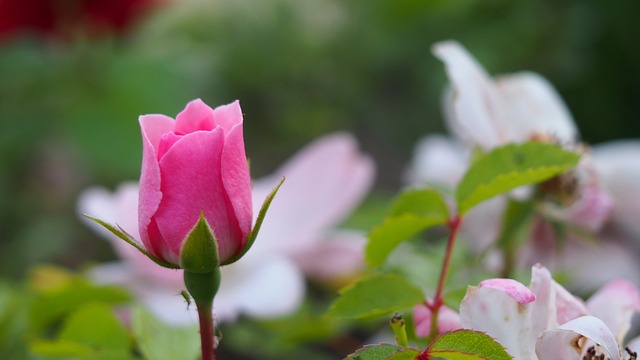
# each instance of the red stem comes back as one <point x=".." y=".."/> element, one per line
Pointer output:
<point x="454" y="226"/>
<point x="205" y="315"/>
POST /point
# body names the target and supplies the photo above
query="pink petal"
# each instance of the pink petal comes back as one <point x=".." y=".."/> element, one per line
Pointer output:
<point x="615" y="304"/>
<point x="571" y="340"/>
<point x="474" y="111"/>
<point x="593" y="208"/>
<point x="188" y="190"/>
<point x="513" y="288"/>
<point x="534" y="107"/>
<point x="324" y="182"/>
<point x="196" y="116"/>
<point x="236" y="180"/>
<point x="228" y="116"/>
<point x="153" y="127"/>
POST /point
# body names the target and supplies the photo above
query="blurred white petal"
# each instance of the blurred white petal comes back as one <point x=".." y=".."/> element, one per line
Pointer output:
<point x="618" y="165"/>
<point x="269" y="288"/>
<point x="340" y="254"/>
<point x="473" y="109"/>
<point x="513" y="108"/>
<point x="532" y="106"/>
<point x="615" y="304"/>
<point x="572" y="340"/>
<point x="502" y="317"/>
<point x="437" y="160"/>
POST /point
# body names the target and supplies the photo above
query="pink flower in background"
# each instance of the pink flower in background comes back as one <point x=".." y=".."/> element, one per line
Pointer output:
<point x="448" y="320"/>
<point x="544" y="321"/>
<point x="194" y="164"/>
<point x="324" y="183"/>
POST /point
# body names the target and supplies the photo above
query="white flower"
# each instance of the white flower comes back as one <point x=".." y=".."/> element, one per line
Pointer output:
<point x="487" y="112"/>
<point x="546" y="322"/>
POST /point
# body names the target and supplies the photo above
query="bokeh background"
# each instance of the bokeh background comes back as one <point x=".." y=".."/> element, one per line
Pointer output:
<point x="76" y="74"/>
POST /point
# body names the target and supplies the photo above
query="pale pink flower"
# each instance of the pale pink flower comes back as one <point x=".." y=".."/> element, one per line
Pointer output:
<point x="324" y="182"/>
<point x="481" y="111"/>
<point x="618" y="165"/>
<point x="487" y="112"/>
<point x="544" y="321"/>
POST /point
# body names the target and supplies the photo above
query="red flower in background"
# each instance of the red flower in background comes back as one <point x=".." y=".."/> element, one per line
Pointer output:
<point x="68" y="18"/>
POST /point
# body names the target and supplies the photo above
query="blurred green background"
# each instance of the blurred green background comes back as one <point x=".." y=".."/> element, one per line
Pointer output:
<point x="301" y="68"/>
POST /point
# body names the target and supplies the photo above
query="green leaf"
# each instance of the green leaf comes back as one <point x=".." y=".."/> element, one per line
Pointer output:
<point x="59" y="293"/>
<point x="91" y="333"/>
<point x="384" y="238"/>
<point x="97" y="326"/>
<point x="119" y="232"/>
<point x="467" y="345"/>
<point x="60" y="348"/>
<point x="376" y="295"/>
<point x="420" y="202"/>
<point x="13" y="322"/>
<point x="69" y="350"/>
<point x="510" y="166"/>
<point x="158" y="341"/>
<point x="413" y="211"/>
<point x="256" y="228"/>
<point x="376" y="352"/>
<point x="406" y="354"/>
<point x="199" y="252"/>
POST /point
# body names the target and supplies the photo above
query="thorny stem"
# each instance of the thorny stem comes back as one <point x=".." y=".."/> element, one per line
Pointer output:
<point x="454" y="225"/>
<point x="205" y="317"/>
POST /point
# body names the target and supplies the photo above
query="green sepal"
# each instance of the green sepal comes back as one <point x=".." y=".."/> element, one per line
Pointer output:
<point x="256" y="228"/>
<point x="399" y="328"/>
<point x="199" y="251"/>
<point x="119" y="232"/>
<point x="202" y="286"/>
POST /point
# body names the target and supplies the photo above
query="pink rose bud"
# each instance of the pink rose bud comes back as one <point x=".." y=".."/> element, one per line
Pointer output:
<point x="191" y="166"/>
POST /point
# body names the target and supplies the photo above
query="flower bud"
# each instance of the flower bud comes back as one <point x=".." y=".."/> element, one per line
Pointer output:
<point x="193" y="165"/>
